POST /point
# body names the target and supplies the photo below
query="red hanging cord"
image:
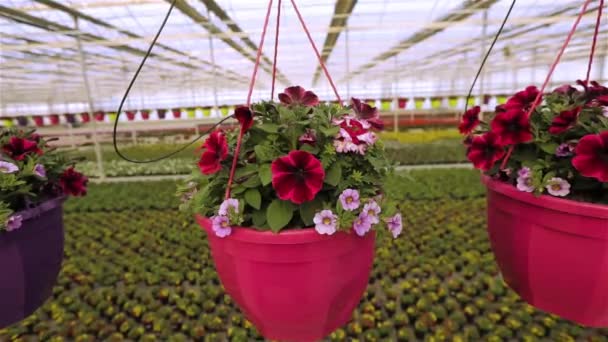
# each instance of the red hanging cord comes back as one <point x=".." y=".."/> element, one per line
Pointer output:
<point x="595" y="34"/>
<point x="314" y="47"/>
<point x="276" y="50"/>
<point x="259" y="54"/>
<point x="551" y="70"/>
<point x="237" y="150"/>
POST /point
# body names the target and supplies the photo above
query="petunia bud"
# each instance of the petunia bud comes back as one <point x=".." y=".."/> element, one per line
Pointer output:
<point x="245" y="118"/>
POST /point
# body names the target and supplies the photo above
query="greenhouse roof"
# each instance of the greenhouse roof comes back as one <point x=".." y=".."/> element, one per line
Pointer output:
<point x="373" y="48"/>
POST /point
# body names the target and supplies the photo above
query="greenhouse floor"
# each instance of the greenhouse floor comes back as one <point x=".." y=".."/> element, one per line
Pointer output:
<point x="134" y="269"/>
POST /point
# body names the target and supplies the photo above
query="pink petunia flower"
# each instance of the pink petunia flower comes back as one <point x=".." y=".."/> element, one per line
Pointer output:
<point x="221" y="226"/>
<point x="395" y="225"/>
<point x="349" y="199"/>
<point x="228" y="206"/>
<point x="325" y="222"/>
<point x="362" y="224"/>
<point x="558" y="187"/>
<point x="372" y="209"/>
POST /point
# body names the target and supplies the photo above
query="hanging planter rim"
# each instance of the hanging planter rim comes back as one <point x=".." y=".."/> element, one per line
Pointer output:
<point x="284" y="237"/>
<point x="41" y="208"/>
<point x="559" y="204"/>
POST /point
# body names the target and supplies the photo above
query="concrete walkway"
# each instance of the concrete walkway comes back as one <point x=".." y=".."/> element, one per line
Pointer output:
<point x="180" y="177"/>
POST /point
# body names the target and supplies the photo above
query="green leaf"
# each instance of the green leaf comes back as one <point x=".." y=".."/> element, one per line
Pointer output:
<point x="330" y="131"/>
<point x="549" y="147"/>
<point x="278" y="214"/>
<point x="259" y="218"/>
<point x="269" y="127"/>
<point x="334" y="174"/>
<point x="252" y="182"/>
<point x="264" y="153"/>
<point x="309" y="209"/>
<point x="265" y="174"/>
<point x="310" y="149"/>
<point x="253" y="198"/>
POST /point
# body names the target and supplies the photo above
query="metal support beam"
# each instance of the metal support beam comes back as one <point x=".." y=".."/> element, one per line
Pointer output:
<point x="467" y="9"/>
<point x="204" y="22"/>
<point x="85" y="78"/>
<point x="216" y="9"/>
<point x="339" y="22"/>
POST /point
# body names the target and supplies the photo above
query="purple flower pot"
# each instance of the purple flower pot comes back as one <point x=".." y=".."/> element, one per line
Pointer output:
<point x="30" y="260"/>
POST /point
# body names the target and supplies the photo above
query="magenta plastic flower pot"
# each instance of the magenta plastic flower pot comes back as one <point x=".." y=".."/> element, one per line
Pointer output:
<point x="297" y="285"/>
<point x="553" y="252"/>
<point x="30" y="260"/>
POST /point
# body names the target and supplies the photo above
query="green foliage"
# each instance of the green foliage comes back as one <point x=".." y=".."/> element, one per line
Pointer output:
<point x="21" y="187"/>
<point x="277" y="130"/>
<point x="540" y="154"/>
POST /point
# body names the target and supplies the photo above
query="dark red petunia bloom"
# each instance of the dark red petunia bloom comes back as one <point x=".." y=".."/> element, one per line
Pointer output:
<point x="603" y="100"/>
<point x="566" y="89"/>
<point x="591" y="156"/>
<point x="244" y="117"/>
<point x="298" y="96"/>
<point x="73" y="182"/>
<point x="564" y="121"/>
<point x="500" y="109"/>
<point x="485" y="150"/>
<point x="18" y="148"/>
<point x="297" y="177"/>
<point x="310" y="137"/>
<point x="512" y="126"/>
<point x="368" y="113"/>
<point x="470" y="120"/>
<point x="523" y="99"/>
<point x="216" y="151"/>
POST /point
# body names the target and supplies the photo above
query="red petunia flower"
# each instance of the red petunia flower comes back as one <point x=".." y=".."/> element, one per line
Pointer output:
<point x="216" y="151"/>
<point x="368" y="113"/>
<point x="470" y="120"/>
<point x="73" y="182"/>
<point x="564" y="121"/>
<point x="19" y="148"/>
<point x="297" y="177"/>
<point x="512" y="126"/>
<point x="591" y="156"/>
<point x="566" y="89"/>
<point x="298" y="96"/>
<point x="485" y="150"/>
<point x="244" y="117"/>
<point x="523" y="99"/>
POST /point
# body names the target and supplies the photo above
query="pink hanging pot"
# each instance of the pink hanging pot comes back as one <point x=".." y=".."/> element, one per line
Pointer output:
<point x="297" y="285"/>
<point x="553" y="252"/>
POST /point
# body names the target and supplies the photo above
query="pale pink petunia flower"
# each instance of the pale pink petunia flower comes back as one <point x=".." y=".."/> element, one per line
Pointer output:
<point x="14" y="222"/>
<point x="395" y="225"/>
<point x="325" y="222"/>
<point x="372" y="209"/>
<point x="558" y="187"/>
<point x="524" y="172"/>
<point x="221" y="226"/>
<point x="228" y="206"/>
<point x="362" y="224"/>
<point x="525" y="184"/>
<point x="40" y="171"/>
<point x="349" y="199"/>
<point x="6" y="167"/>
